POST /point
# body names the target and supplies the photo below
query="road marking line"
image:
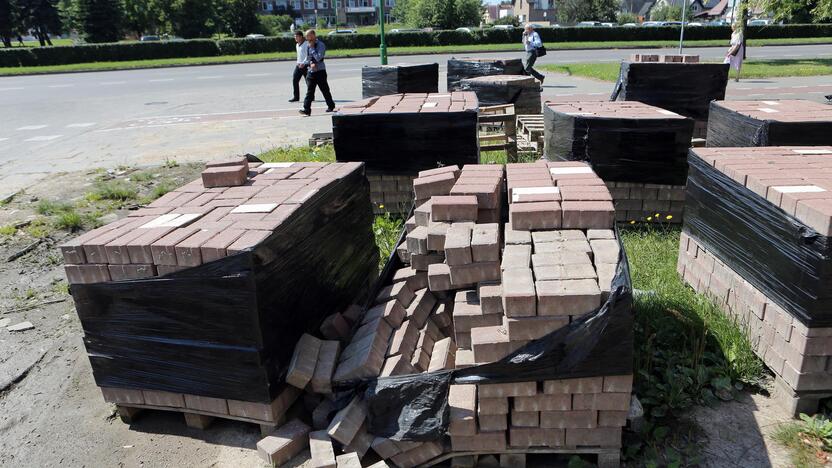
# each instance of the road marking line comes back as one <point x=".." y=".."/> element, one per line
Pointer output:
<point x="771" y="87"/>
<point x="750" y="95"/>
<point x="43" y="138"/>
<point x="817" y="92"/>
<point x="786" y="94"/>
<point x="744" y="89"/>
<point x="253" y="75"/>
<point x="81" y="125"/>
<point x="32" y="127"/>
<point x="212" y="77"/>
<point x="3" y="139"/>
<point x="799" y="86"/>
<point x="106" y="83"/>
<point x="597" y="94"/>
<point x="61" y="86"/>
<point x="10" y="89"/>
<point x="161" y="80"/>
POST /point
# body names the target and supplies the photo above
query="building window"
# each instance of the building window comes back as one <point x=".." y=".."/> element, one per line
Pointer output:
<point x="323" y="4"/>
<point x="296" y="4"/>
<point x="309" y="4"/>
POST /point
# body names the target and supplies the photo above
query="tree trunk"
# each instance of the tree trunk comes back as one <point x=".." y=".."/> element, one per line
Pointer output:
<point x="39" y="34"/>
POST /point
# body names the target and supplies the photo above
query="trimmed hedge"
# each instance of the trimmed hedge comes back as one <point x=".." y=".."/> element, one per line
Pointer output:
<point x="117" y="52"/>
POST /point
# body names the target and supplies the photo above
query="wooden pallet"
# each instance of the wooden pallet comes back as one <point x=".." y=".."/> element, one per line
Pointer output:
<point x="199" y="412"/>
<point x="320" y="139"/>
<point x="607" y="457"/>
<point x="498" y="130"/>
<point x="530" y="133"/>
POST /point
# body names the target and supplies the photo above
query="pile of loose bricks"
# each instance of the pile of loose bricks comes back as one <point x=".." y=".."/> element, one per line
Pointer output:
<point x="391" y="193"/>
<point x="664" y="58"/>
<point x="769" y="123"/>
<point x="626" y="142"/>
<point x="473" y="291"/>
<point x="795" y="182"/>
<point x="424" y="103"/>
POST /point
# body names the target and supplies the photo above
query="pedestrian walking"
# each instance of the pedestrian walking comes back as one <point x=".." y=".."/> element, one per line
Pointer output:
<point x="316" y="75"/>
<point x="533" y="46"/>
<point x="737" y="51"/>
<point x="300" y="66"/>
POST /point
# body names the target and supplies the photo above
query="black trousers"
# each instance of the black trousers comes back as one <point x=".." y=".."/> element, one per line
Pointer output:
<point x="298" y="75"/>
<point x="314" y="80"/>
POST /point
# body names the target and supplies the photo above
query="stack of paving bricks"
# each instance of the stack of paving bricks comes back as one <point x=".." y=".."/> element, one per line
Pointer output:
<point x="679" y="83"/>
<point x="522" y="91"/>
<point x="382" y="80"/>
<point x="160" y="291"/>
<point x="757" y="256"/>
<point x="639" y="150"/>
<point x="462" y="68"/>
<point x="458" y="302"/>
<point x="769" y="123"/>
<point x="399" y="135"/>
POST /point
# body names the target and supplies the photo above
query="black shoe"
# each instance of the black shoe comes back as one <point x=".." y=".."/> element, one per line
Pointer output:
<point x="330" y="109"/>
<point x="294" y="100"/>
<point x="304" y="112"/>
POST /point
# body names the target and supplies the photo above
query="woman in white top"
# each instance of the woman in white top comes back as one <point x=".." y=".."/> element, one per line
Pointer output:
<point x="737" y="50"/>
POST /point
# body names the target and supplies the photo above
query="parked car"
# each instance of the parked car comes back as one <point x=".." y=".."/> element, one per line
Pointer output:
<point x="149" y="38"/>
<point x="254" y="36"/>
<point x="651" y="24"/>
<point x="629" y="25"/>
<point x="505" y="27"/>
<point x="588" y="24"/>
<point x="671" y="23"/>
<point x="695" y="24"/>
<point x="607" y="25"/>
<point x="404" y="30"/>
<point x="465" y="30"/>
<point x="759" y="22"/>
<point x="342" y="31"/>
<point x="719" y="22"/>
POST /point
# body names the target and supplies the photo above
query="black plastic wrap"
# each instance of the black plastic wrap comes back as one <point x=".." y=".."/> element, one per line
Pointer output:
<point x="728" y="128"/>
<point x="524" y="93"/>
<point x="599" y="343"/>
<point x="459" y="69"/>
<point x="786" y="260"/>
<point x="395" y="79"/>
<point x="638" y="150"/>
<point x="684" y="88"/>
<point x="405" y="143"/>
<point x="227" y="328"/>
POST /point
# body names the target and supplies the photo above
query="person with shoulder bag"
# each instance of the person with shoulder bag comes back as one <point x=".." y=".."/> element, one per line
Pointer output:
<point x="534" y="49"/>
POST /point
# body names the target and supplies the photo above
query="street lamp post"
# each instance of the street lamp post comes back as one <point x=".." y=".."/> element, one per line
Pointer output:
<point x="684" y="18"/>
<point x="383" y="45"/>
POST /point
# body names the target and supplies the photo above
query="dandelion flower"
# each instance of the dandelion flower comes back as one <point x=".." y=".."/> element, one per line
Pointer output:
<point x="633" y="222"/>
<point x="669" y="216"/>
<point x="649" y="218"/>
<point x="657" y="215"/>
<point x="381" y="205"/>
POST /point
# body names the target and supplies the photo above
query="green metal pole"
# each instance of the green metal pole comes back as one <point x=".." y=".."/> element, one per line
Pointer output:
<point x="383" y="46"/>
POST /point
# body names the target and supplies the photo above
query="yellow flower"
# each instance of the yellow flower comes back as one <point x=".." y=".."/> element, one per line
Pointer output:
<point x="649" y="218"/>
<point x="633" y="222"/>
<point x="669" y="216"/>
<point x="381" y="205"/>
<point x="657" y="215"/>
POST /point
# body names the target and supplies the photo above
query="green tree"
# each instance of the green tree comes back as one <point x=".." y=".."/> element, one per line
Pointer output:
<point x="442" y="14"/>
<point x="510" y="20"/>
<point x="573" y="11"/>
<point x="625" y="17"/>
<point x="9" y="21"/>
<point x="271" y="25"/>
<point x="70" y="13"/>
<point x="194" y="18"/>
<point x="669" y="13"/>
<point x="141" y="16"/>
<point x="797" y="11"/>
<point x="42" y="18"/>
<point x="240" y="17"/>
<point x="100" y="20"/>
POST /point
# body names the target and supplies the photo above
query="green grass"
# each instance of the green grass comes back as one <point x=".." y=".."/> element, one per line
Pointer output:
<point x="393" y="51"/>
<point x="751" y="69"/>
<point x="687" y="352"/>
<point x="325" y="153"/>
<point x="69" y="221"/>
<point x="51" y="207"/>
<point x="8" y="230"/>
<point x="115" y="190"/>
<point x="806" y="448"/>
<point x="387" y="229"/>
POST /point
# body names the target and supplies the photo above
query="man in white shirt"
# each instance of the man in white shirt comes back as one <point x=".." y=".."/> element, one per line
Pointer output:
<point x="300" y="65"/>
<point x="531" y="42"/>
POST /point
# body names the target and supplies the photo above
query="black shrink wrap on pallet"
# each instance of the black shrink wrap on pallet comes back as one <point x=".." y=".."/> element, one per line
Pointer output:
<point x="789" y="262"/>
<point x="684" y="88"/>
<point x="728" y="128"/>
<point x="382" y="80"/>
<point x="523" y="92"/>
<point x="227" y="328"/>
<point x="622" y="150"/>
<point x="415" y="407"/>
<point x="459" y="69"/>
<point x="406" y="143"/>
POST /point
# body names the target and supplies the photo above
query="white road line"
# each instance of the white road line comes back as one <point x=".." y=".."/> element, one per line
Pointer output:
<point x="31" y="127"/>
<point x="10" y="89"/>
<point x="43" y="138"/>
<point x="743" y="88"/>
<point x="818" y="92"/>
<point x="800" y="86"/>
<point x="106" y="83"/>
<point x="771" y="87"/>
<point x="80" y="125"/>
<point x="786" y="94"/>
<point x="598" y="94"/>
<point x="212" y="77"/>
<point x="750" y="95"/>
<point x="61" y="86"/>
<point x="253" y="75"/>
<point x="3" y="139"/>
<point x="161" y="80"/>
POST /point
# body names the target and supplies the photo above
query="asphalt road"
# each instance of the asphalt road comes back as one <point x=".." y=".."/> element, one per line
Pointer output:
<point x="64" y="122"/>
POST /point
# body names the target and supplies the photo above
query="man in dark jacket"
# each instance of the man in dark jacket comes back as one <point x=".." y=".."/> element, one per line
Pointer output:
<point x="316" y="76"/>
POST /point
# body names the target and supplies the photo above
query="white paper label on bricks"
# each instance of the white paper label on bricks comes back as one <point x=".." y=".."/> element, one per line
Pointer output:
<point x="276" y="165"/>
<point x="571" y="170"/>
<point x="519" y="191"/>
<point x="768" y="110"/>
<point x="812" y="151"/>
<point x="255" y="208"/>
<point x="799" y="189"/>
